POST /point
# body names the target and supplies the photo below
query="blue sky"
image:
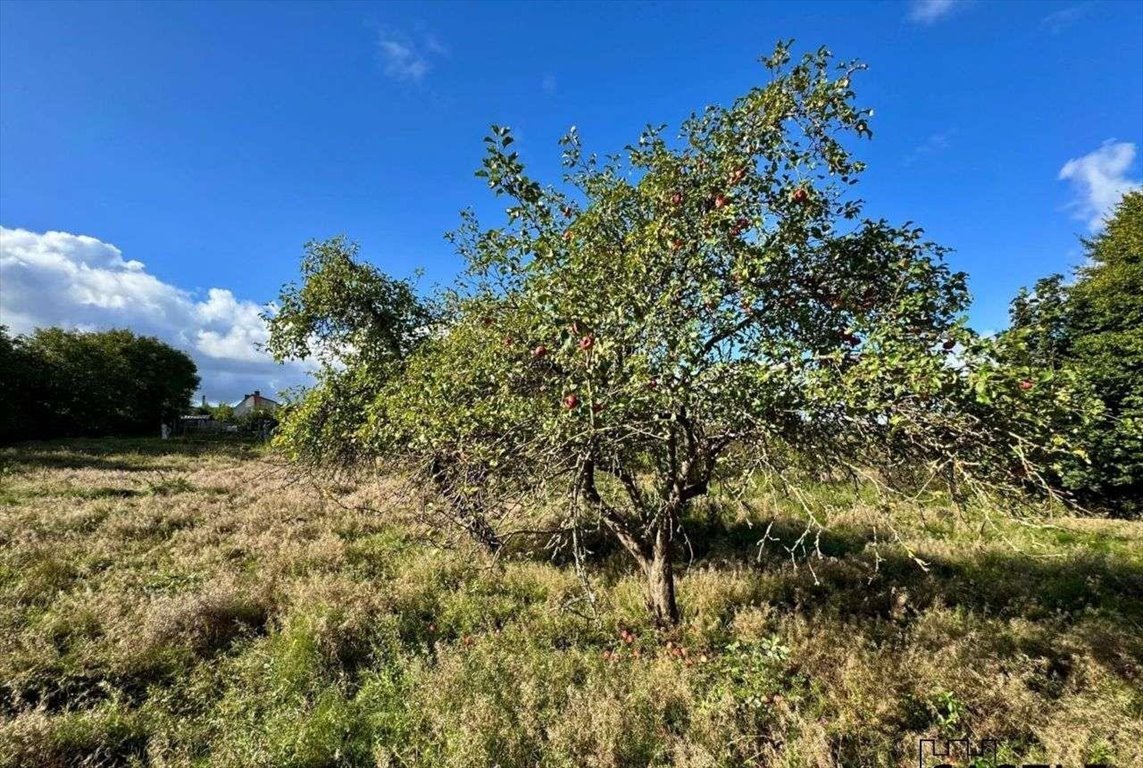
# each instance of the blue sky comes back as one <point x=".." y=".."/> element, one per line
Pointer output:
<point x="150" y="153"/>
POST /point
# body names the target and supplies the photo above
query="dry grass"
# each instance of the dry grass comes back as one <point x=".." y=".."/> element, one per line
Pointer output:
<point x="173" y="604"/>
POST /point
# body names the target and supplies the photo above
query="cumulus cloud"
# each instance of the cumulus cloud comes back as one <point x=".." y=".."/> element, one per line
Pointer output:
<point x="77" y="281"/>
<point x="932" y="11"/>
<point x="1100" y="179"/>
<point x="408" y="59"/>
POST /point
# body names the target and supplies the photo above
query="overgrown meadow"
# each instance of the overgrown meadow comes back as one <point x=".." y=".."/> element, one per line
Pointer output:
<point x="180" y="603"/>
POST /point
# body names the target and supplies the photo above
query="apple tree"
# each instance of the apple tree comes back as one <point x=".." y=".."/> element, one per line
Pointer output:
<point x="688" y="312"/>
<point x="662" y="323"/>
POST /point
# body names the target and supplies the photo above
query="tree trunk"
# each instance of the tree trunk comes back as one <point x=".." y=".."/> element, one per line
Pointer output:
<point x="651" y="551"/>
<point x="478" y="527"/>
<point x="464" y="513"/>
<point x="660" y="572"/>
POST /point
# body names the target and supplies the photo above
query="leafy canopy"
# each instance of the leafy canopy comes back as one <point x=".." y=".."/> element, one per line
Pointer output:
<point x="359" y="325"/>
<point x="684" y="314"/>
<point x="59" y="383"/>
<point x="1091" y="330"/>
<point x="345" y="310"/>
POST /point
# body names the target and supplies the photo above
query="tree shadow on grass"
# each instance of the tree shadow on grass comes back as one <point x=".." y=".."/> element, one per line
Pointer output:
<point x="770" y="542"/>
<point x="118" y="454"/>
<point x="850" y="576"/>
<point x="851" y="571"/>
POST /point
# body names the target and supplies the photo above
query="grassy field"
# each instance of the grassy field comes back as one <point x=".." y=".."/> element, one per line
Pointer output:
<point x="181" y="604"/>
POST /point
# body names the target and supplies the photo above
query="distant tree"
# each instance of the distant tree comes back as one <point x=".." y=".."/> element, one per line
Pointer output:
<point x="358" y="325"/>
<point x="676" y="320"/>
<point x="345" y="310"/>
<point x="99" y="383"/>
<point x="21" y="380"/>
<point x="223" y="412"/>
<point x="257" y="423"/>
<point x="1092" y="330"/>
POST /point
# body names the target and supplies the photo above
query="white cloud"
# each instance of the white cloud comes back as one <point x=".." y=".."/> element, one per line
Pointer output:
<point x="238" y="331"/>
<point x="933" y="145"/>
<point x="931" y="11"/>
<point x="1100" y="179"/>
<point x="433" y="45"/>
<point x="406" y="59"/>
<point x="76" y="281"/>
<point x="1057" y="21"/>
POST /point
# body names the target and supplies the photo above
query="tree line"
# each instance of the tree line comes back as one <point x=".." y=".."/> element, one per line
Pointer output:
<point x="61" y="383"/>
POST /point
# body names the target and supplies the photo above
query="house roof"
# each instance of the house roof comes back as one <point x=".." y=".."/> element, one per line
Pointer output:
<point x="259" y="399"/>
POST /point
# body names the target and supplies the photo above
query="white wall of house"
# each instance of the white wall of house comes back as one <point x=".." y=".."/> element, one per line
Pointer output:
<point x="255" y="402"/>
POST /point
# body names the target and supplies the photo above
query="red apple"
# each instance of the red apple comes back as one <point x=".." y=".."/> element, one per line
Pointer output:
<point x="587" y="342"/>
<point x="676" y="244"/>
<point x="540" y="351"/>
<point x="677" y="198"/>
<point x="1026" y="384"/>
<point x="571" y="402"/>
<point x="720" y="201"/>
<point x="800" y="195"/>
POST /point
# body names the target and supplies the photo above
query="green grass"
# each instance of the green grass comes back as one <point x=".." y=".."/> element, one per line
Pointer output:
<point x="173" y="604"/>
